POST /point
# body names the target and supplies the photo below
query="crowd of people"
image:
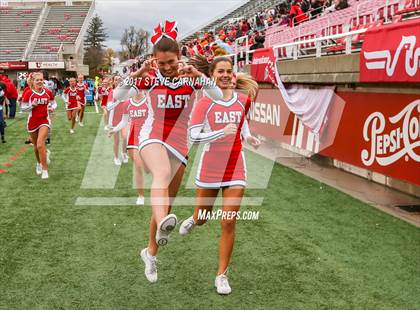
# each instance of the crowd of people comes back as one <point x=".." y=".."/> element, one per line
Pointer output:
<point x="290" y="13"/>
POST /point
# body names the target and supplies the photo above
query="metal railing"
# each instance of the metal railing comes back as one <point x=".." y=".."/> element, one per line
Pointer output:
<point x="319" y="44"/>
<point x="36" y="31"/>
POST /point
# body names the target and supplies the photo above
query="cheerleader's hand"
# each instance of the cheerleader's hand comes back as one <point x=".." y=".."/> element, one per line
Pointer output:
<point x="110" y="133"/>
<point x="190" y="71"/>
<point x="255" y="142"/>
<point x="145" y="67"/>
<point x="230" y="129"/>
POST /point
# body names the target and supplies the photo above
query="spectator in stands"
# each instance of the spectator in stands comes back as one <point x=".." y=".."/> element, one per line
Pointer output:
<point x="305" y="5"/>
<point x="316" y="7"/>
<point x="340" y="4"/>
<point x="259" y="42"/>
<point x="296" y="14"/>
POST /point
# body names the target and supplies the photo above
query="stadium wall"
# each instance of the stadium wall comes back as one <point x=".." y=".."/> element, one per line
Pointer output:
<point x="350" y="149"/>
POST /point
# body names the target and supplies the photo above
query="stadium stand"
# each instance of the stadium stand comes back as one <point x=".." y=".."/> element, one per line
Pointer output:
<point x="244" y="10"/>
<point x="45" y="31"/>
<point x="15" y="31"/>
<point x="62" y="26"/>
<point x="359" y="15"/>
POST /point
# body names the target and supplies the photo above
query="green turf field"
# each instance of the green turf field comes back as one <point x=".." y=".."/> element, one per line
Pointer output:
<point x="312" y="248"/>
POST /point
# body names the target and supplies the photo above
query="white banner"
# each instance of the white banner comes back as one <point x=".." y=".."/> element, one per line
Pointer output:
<point x="46" y="65"/>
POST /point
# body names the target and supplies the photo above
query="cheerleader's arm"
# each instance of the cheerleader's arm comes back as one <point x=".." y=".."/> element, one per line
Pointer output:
<point x="121" y="124"/>
<point x="196" y="135"/>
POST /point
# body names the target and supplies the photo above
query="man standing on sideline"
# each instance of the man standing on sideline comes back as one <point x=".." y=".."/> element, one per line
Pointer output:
<point x="12" y="95"/>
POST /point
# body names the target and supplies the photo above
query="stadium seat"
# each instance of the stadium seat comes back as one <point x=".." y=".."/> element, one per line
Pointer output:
<point x="410" y="6"/>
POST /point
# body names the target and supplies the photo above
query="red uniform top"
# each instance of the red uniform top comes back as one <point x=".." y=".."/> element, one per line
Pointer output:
<point x="72" y="95"/>
<point x="81" y="91"/>
<point x="25" y="90"/>
<point x="216" y="115"/>
<point x="39" y="101"/>
<point x="104" y="92"/>
<point x="137" y="111"/>
<point x="171" y="104"/>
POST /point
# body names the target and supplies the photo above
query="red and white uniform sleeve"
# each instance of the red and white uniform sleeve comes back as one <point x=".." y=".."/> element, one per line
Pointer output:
<point x="198" y="121"/>
<point x="26" y="101"/>
<point x="65" y="95"/>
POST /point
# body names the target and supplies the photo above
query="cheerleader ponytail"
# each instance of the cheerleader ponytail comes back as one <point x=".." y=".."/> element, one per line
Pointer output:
<point x="246" y="82"/>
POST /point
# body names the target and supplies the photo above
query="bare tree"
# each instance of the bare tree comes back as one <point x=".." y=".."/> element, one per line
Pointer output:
<point x="134" y="42"/>
<point x="108" y="56"/>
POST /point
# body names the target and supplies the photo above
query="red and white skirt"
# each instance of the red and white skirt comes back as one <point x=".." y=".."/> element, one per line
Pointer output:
<point x="33" y="124"/>
<point x="219" y="168"/>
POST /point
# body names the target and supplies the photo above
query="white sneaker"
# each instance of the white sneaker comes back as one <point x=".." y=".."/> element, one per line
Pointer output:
<point x="222" y="284"/>
<point x="117" y="161"/>
<point x="164" y="228"/>
<point x="187" y="226"/>
<point x="71" y="131"/>
<point x="38" y="169"/>
<point x="48" y="157"/>
<point x="124" y="158"/>
<point x="150" y="265"/>
<point x="81" y="124"/>
<point x="44" y="174"/>
<point x="140" y="201"/>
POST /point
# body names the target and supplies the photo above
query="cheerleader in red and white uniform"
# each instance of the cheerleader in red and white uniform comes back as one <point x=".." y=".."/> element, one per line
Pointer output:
<point x="135" y="114"/>
<point x="221" y="125"/>
<point x="73" y="103"/>
<point x="164" y="141"/>
<point x="82" y="90"/>
<point x="115" y="114"/>
<point x="28" y="87"/>
<point x="40" y="102"/>
<point x="103" y="92"/>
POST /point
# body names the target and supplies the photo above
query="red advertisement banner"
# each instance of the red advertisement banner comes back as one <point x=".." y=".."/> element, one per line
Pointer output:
<point x="376" y="131"/>
<point x="381" y="133"/>
<point x="391" y="53"/>
<point x="14" y="65"/>
<point x="262" y="58"/>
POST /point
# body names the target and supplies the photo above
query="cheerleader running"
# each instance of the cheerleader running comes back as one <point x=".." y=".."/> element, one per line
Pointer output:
<point x="40" y="102"/>
<point x="73" y="103"/>
<point x="115" y="113"/>
<point x="103" y="93"/>
<point x="82" y="90"/>
<point x="135" y="113"/>
<point x="164" y="142"/>
<point x="220" y="124"/>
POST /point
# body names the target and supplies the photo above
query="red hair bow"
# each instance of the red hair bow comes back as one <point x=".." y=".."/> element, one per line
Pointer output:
<point x="169" y="30"/>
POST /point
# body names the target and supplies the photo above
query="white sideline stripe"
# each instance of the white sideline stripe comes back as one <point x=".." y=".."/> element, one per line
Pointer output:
<point x="179" y="201"/>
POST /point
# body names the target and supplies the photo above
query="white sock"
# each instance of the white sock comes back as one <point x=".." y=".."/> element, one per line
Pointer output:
<point x="149" y="255"/>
